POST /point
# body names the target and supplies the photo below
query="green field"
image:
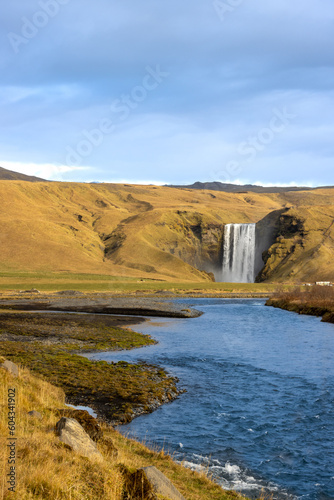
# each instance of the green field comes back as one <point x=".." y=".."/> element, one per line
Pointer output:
<point x="49" y="282"/>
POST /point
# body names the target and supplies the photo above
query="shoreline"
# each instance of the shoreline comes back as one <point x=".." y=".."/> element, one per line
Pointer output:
<point x="116" y="408"/>
<point x="119" y="312"/>
<point x="326" y="313"/>
<point x="54" y="346"/>
<point x="50" y="468"/>
<point x="98" y="304"/>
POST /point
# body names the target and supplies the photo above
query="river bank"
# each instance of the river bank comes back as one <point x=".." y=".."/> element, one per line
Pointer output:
<point x="316" y="301"/>
<point x="53" y="345"/>
<point x="258" y="410"/>
<point x="97" y="303"/>
<point x="303" y="308"/>
<point x="47" y="468"/>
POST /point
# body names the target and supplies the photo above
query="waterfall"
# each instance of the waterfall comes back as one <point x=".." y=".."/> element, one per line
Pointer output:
<point x="238" y="253"/>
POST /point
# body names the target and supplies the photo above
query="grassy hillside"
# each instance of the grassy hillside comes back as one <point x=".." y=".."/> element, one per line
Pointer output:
<point x="113" y="229"/>
<point x="237" y="188"/>
<point x="48" y="469"/>
<point x="143" y="232"/>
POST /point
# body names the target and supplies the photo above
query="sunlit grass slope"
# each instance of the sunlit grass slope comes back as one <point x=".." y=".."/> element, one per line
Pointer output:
<point x="129" y="231"/>
<point x="47" y="469"/>
<point x="111" y="229"/>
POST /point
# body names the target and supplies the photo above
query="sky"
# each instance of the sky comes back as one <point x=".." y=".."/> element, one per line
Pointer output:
<point x="168" y="92"/>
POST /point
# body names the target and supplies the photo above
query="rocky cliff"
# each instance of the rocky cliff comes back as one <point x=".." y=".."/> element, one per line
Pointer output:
<point x="303" y="249"/>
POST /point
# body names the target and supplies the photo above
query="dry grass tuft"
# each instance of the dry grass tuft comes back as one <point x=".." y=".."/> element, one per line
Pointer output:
<point x="316" y="294"/>
<point x="315" y="300"/>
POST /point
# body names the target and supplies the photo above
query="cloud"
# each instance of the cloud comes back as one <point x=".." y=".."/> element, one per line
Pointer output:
<point x="139" y="182"/>
<point x="226" y="75"/>
<point x="46" y="171"/>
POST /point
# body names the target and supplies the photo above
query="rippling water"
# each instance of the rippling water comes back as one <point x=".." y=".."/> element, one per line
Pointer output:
<point x="258" y="412"/>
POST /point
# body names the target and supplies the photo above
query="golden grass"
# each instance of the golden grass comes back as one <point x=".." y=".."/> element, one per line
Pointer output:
<point x="11" y="282"/>
<point x="48" y="470"/>
<point x="45" y="468"/>
<point x="41" y="229"/>
<point x="143" y="231"/>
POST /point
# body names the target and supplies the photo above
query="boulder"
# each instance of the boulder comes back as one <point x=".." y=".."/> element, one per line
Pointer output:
<point x="11" y="367"/>
<point x="72" y="433"/>
<point x="136" y="485"/>
<point x="86" y="420"/>
<point x="161" y="484"/>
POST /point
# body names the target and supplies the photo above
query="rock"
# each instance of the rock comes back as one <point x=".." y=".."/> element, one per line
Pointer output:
<point x="328" y="317"/>
<point x="11" y="367"/>
<point x="86" y="420"/>
<point x="69" y="292"/>
<point x="35" y="414"/>
<point x="136" y="485"/>
<point x="71" y="433"/>
<point x="161" y="484"/>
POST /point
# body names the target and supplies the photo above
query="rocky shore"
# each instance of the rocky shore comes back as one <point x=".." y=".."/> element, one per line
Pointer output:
<point x="97" y="303"/>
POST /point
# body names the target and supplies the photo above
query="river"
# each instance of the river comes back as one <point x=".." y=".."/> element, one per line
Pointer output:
<point x="258" y="413"/>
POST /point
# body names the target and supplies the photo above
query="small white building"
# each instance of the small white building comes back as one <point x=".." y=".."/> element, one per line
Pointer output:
<point x="324" y="283"/>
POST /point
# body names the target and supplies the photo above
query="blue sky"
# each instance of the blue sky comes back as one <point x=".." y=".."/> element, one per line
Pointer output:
<point x="168" y="92"/>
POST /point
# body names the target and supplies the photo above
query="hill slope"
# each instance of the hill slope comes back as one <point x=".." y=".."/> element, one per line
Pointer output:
<point x="154" y="232"/>
<point x="10" y="175"/>
<point x="235" y="188"/>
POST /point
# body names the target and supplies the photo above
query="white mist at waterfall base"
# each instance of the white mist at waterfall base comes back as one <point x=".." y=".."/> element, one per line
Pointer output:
<point x="238" y="253"/>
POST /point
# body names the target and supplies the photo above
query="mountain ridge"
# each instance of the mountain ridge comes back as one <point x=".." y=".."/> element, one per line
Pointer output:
<point x="6" y="174"/>
<point x="10" y="175"/>
<point x="236" y="188"/>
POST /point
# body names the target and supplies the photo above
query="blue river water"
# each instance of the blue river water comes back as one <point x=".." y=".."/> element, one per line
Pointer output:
<point x="258" y="413"/>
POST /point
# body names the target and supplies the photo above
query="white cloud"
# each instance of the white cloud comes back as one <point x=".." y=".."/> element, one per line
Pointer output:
<point x="136" y="181"/>
<point x="284" y="184"/>
<point x="47" y="171"/>
<point x="225" y="78"/>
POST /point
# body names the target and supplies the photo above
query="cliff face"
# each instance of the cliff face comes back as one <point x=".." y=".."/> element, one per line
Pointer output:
<point x="266" y="233"/>
<point x="303" y="249"/>
<point x="193" y="237"/>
